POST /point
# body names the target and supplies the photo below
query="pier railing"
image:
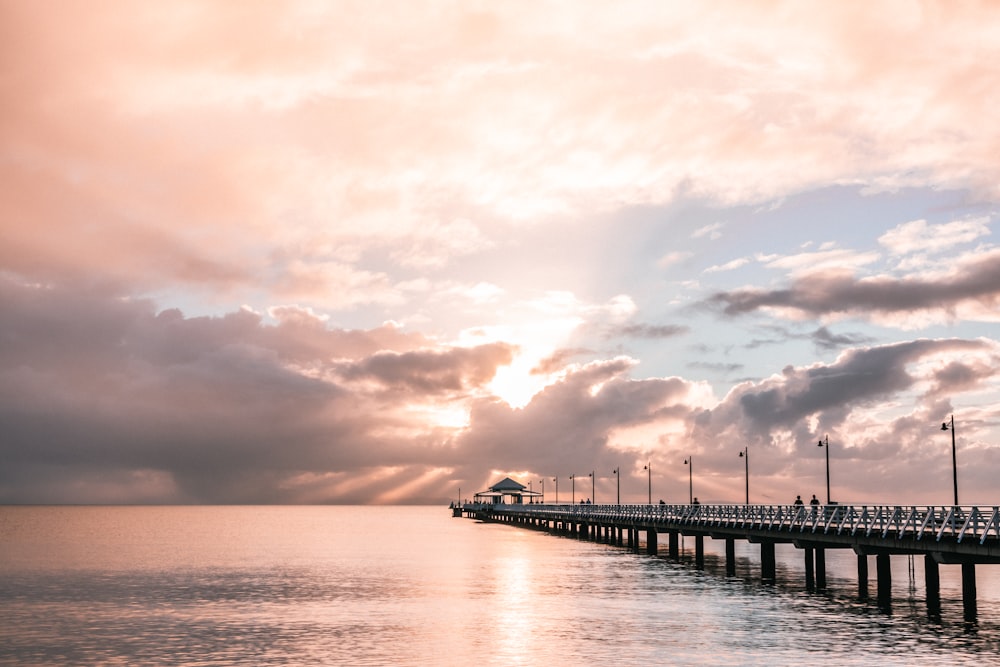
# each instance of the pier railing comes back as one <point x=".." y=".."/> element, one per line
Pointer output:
<point x="935" y="522"/>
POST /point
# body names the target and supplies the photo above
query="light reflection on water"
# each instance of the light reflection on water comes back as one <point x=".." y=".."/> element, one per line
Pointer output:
<point x="414" y="586"/>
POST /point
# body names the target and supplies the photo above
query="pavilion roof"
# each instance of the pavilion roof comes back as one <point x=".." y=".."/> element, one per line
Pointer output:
<point x="507" y="484"/>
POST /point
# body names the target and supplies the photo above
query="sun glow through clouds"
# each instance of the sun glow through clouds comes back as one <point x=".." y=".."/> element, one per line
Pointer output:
<point x="535" y="341"/>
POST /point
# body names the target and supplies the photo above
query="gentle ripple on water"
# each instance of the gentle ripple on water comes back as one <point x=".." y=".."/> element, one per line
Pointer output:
<point x="376" y="586"/>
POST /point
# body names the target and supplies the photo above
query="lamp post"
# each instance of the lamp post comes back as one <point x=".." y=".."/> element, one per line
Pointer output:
<point x="745" y="455"/>
<point x="531" y="493"/>
<point x="954" y="461"/>
<point x="542" y="482"/>
<point x="572" y="478"/>
<point x="689" y="462"/>
<point x="617" y="472"/>
<point x="825" y="442"/>
<point x="649" y="479"/>
<point x="556" y="480"/>
<point x="593" y="487"/>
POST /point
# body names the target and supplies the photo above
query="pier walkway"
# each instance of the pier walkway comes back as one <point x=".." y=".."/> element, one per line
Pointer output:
<point x="944" y="535"/>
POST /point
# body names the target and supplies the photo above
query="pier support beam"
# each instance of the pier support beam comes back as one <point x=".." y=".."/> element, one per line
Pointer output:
<point x="884" y="573"/>
<point x="767" y="569"/>
<point x="730" y="557"/>
<point x="651" y="542"/>
<point x="675" y="551"/>
<point x="810" y="575"/>
<point x="699" y="552"/>
<point x="932" y="584"/>
<point x="862" y="577"/>
<point x="820" y="569"/>
<point x="969" y="591"/>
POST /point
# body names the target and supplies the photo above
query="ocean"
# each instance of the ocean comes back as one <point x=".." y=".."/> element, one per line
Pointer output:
<point x="415" y="586"/>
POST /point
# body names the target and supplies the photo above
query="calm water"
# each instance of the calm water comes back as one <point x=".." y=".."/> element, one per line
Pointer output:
<point x="414" y="586"/>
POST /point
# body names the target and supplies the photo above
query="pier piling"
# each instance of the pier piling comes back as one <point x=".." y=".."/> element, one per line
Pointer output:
<point x="767" y="563"/>
<point x="862" y="577"/>
<point x="730" y="557"/>
<point x="969" y="591"/>
<point x="883" y="571"/>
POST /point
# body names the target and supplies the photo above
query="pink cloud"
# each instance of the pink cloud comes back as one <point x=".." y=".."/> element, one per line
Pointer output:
<point x="192" y="135"/>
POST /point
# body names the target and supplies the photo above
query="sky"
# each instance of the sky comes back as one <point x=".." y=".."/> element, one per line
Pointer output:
<point x="359" y="252"/>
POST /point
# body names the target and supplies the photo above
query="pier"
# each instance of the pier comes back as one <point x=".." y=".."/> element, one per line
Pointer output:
<point x="944" y="535"/>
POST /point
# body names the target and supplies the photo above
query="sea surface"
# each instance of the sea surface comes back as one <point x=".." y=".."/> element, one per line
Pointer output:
<point x="415" y="586"/>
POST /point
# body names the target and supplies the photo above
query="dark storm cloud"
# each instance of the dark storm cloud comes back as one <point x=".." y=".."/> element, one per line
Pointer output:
<point x="567" y="425"/>
<point x="857" y="377"/>
<point x="432" y="371"/>
<point x="825" y="293"/>
<point x="98" y="391"/>
<point x="103" y="399"/>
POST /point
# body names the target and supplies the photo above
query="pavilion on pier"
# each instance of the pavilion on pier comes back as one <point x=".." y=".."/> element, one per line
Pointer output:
<point x="507" y="492"/>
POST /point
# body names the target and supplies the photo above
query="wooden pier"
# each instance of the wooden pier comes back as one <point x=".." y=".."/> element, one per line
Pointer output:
<point x="943" y="535"/>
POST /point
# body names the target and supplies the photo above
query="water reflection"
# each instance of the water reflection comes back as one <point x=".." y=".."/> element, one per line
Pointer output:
<point x="376" y="586"/>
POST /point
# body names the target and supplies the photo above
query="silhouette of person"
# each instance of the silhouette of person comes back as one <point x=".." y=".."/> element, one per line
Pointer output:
<point x="815" y="501"/>
<point x="798" y="500"/>
<point x="695" y="501"/>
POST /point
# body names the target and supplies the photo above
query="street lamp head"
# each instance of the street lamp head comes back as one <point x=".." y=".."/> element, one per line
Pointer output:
<point x="944" y="426"/>
<point x="820" y="444"/>
<point x="741" y="454"/>
<point x="685" y="462"/>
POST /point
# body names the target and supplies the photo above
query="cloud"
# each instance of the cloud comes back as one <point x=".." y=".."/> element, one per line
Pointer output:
<point x="423" y="140"/>
<point x="653" y="331"/>
<point x="597" y="418"/>
<point x="673" y="258"/>
<point x="330" y="169"/>
<point x="715" y="366"/>
<point x="713" y="231"/>
<point x="568" y="424"/>
<point x="917" y="235"/>
<point x="971" y="291"/>
<point x="557" y="360"/>
<point x="98" y="394"/>
<point x="104" y="399"/>
<point x="827" y="340"/>
<point x="430" y="372"/>
<point x="826" y="259"/>
<point x="728" y="266"/>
